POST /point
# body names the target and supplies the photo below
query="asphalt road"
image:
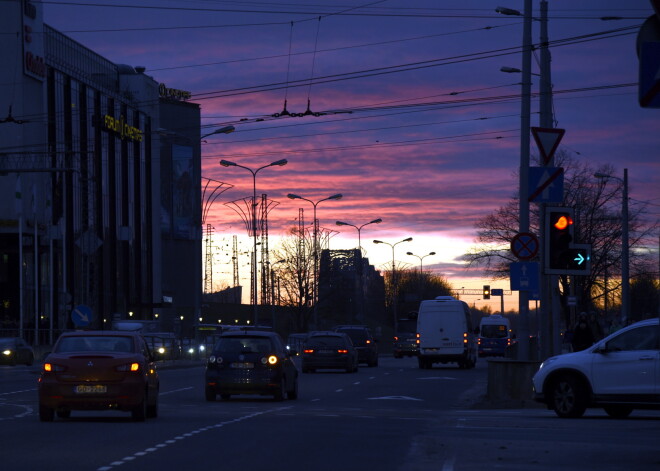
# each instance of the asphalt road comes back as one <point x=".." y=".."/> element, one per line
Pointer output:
<point x="392" y="417"/>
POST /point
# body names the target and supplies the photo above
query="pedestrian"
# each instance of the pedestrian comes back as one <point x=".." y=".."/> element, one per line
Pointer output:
<point x="614" y="326"/>
<point x="583" y="336"/>
<point x="596" y="328"/>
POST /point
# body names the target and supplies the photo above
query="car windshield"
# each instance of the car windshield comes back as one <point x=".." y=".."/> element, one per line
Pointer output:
<point x="244" y="344"/>
<point x="493" y="331"/>
<point x="96" y="343"/>
<point x="326" y="341"/>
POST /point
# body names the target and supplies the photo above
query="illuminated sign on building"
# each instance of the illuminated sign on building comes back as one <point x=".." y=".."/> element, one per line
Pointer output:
<point x="34" y="64"/>
<point x="173" y="93"/>
<point x="121" y="127"/>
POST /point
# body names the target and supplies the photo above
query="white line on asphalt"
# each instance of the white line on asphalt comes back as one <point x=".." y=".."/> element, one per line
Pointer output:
<point x="17" y="392"/>
<point x="27" y="410"/>
<point x="175" y="391"/>
<point x="449" y="464"/>
<point x="166" y="443"/>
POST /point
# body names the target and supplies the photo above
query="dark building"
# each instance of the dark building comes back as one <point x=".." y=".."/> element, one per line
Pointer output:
<point x="350" y="290"/>
<point x="99" y="187"/>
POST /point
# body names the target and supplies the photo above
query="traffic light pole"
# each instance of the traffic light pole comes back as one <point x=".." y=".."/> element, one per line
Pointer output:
<point x="549" y="321"/>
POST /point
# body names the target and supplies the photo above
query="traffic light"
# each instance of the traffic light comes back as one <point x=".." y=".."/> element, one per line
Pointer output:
<point x="558" y="237"/>
<point x="486" y="293"/>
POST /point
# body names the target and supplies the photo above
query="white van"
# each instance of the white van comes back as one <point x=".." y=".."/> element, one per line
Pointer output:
<point x="445" y="333"/>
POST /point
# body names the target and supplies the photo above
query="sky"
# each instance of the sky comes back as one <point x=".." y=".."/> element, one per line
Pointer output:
<point x="410" y="117"/>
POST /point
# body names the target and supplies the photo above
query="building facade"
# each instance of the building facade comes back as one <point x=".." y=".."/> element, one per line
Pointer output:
<point x="86" y="183"/>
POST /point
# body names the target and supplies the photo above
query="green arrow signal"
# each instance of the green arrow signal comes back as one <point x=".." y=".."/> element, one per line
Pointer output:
<point x="579" y="258"/>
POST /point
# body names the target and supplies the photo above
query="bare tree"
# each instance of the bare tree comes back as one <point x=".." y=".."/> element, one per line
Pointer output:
<point x="597" y="209"/>
<point x="295" y="274"/>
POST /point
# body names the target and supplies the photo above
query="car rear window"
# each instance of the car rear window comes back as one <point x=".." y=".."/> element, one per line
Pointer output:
<point x="326" y="341"/>
<point x="357" y="335"/>
<point x="95" y="343"/>
<point x="494" y="331"/>
<point x="244" y="344"/>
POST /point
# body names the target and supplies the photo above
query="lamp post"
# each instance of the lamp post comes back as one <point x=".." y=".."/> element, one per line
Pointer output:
<point x="525" y="110"/>
<point x="277" y="163"/>
<point x="394" y="283"/>
<point x="223" y="130"/>
<point x="337" y="196"/>
<point x="421" y="259"/>
<point x="625" y="278"/>
<point x="421" y="270"/>
<point x="359" y="228"/>
<point x="358" y="262"/>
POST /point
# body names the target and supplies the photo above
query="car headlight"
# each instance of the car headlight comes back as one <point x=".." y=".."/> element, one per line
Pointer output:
<point x="202" y="348"/>
<point x="161" y="350"/>
<point x="547" y="362"/>
<point x="7" y="352"/>
<point x="215" y="359"/>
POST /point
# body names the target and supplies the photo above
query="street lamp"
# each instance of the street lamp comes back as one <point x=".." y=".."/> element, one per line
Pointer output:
<point x="514" y="70"/>
<point x="277" y="163"/>
<point x="625" y="278"/>
<point x="358" y="262"/>
<point x="223" y="130"/>
<point x="337" y="196"/>
<point x="359" y="228"/>
<point x="523" y="203"/>
<point x="394" y="285"/>
<point x="421" y="259"/>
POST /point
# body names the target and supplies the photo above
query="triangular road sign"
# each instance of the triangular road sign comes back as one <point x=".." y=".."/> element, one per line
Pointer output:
<point x="547" y="140"/>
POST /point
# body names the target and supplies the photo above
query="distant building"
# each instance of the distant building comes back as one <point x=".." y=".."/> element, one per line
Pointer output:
<point x="350" y="290"/>
<point x="99" y="186"/>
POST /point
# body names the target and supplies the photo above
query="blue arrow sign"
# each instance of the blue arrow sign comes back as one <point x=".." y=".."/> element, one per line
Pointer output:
<point x="524" y="276"/>
<point x="81" y="316"/>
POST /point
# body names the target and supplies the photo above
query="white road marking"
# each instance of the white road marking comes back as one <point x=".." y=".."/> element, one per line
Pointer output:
<point x="164" y="444"/>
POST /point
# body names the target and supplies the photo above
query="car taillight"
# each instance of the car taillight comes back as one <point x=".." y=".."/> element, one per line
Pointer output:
<point x="51" y="367"/>
<point x="342" y="351"/>
<point x="271" y="360"/>
<point x="133" y="367"/>
<point x="308" y="350"/>
<point x="396" y="339"/>
<point x="368" y="342"/>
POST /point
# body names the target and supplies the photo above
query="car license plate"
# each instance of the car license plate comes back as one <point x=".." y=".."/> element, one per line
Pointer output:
<point x="90" y="389"/>
<point x="242" y="365"/>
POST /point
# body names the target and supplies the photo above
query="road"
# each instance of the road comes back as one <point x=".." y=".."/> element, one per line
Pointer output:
<point x="392" y="417"/>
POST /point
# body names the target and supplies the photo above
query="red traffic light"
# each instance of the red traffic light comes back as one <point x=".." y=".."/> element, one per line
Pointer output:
<point x="563" y="222"/>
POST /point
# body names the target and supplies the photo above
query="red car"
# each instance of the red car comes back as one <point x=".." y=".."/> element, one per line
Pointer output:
<point x="99" y="370"/>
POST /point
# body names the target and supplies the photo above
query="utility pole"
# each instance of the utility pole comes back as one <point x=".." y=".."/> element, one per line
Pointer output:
<point x="523" y="303"/>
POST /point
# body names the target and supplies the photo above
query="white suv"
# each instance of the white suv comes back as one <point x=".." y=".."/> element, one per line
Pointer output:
<point x="619" y="373"/>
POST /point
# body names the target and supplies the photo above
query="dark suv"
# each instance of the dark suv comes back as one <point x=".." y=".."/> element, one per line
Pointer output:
<point x="363" y="341"/>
